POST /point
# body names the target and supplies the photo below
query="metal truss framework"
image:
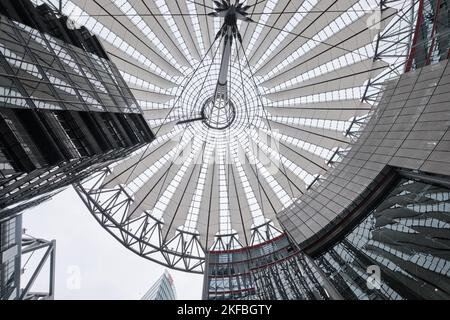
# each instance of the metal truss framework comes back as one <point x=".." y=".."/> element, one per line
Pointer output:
<point x="31" y="246"/>
<point x="146" y="236"/>
<point x="23" y="187"/>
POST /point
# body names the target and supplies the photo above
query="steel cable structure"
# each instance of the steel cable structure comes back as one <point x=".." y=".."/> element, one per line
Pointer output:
<point x="252" y="102"/>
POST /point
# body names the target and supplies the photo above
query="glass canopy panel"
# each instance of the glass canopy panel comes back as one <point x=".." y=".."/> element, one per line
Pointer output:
<point x="250" y="102"/>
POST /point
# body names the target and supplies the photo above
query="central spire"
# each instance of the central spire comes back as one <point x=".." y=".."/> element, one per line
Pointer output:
<point x="219" y="111"/>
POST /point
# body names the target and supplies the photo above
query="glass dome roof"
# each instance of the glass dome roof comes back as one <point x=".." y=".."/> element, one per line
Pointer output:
<point x="251" y="103"/>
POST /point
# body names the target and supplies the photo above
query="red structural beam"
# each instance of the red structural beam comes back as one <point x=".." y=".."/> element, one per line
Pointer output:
<point x="433" y="33"/>
<point x="412" y="53"/>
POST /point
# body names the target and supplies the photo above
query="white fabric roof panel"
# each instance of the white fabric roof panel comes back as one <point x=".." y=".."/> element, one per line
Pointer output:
<point x="133" y="66"/>
<point x="249" y="28"/>
<point x="306" y="29"/>
<point x="289" y="95"/>
<point x="350" y="76"/>
<point x="159" y="26"/>
<point x="356" y="35"/>
<point x="322" y="137"/>
<point x="268" y="35"/>
<point x="123" y="172"/>
<point x="208" y="220"/>
<point x="185" y="27"/>
<point x="126" y="30"/>
<point x="142" y="94"/>
<point x="334" y="110"/>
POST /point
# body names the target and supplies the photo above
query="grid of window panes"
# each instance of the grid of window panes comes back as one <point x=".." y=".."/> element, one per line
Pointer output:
<point x="10" y="232"/>
<point x="407" y="237"/>
<point x="271" y="270"/>
<point x="432" y="39"/>
<point x="163" y="289"/>
<point x="57" y="76"/>
<point x="229" y="276"/>
<point x="288" y="278"/>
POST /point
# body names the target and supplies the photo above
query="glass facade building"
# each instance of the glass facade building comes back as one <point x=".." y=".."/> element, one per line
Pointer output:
<point x="162" y="289"/>
<point x="405" y="236"/>
<point x="65" y="110"/>
<point x="273" y="270"/>
<point x="10" y="252"/>
<point x="431" y="40"/>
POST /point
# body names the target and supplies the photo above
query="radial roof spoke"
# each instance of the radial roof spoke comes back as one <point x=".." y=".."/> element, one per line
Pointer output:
<point x="334" y="110"/>
<point x="124" y="29"/>
<point x="124" y="173"/>
<point x="159" y="195"/>
<point x="179" y="28"/>
<point x="134" y="66"/>
<point x="304" y="27"/>
<point x="267" y="203"/>
<point x="348" y="77"/>
<point x="249" y="28"/>
<point x="186" y="28"/>
<point x="311" y="15"/>
<point x="286" y="174"/>
<point x="151" y="15"/>
<point x="208" y="220"/>
<point x="241" y="219"/>
<point x="176" y="211"/>
<point x="206" y="24"/>
<point x="316" y="52"/>
<point x="323" y="137"/>
<point x="270" y="187"/>
<point x="153" y="114"/>
<point x="304" y="159"/>
<point x="258" y="99"/>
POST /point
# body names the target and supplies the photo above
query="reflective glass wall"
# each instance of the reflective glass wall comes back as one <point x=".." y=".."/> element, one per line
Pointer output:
<point x="273" y="270"/>
<point x="401" y="250"/>
<point x="163" y="289"/>
<point x="65" y="110"/>
<point x="431" y="40"/>
<point x="10" y="246"/>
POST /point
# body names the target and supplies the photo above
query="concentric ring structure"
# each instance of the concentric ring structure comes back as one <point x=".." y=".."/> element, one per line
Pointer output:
<point x="299" y="82"/>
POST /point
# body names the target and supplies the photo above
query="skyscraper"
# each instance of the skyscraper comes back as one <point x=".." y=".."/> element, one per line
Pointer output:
<point x="162" y="289"/>
<point x="65" y="110"/>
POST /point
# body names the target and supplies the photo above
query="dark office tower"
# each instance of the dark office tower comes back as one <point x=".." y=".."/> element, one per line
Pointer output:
<point x="65" y="110"/>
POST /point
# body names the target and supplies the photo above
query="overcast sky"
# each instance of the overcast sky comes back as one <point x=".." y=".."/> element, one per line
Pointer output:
<point x="107" y="269"/>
